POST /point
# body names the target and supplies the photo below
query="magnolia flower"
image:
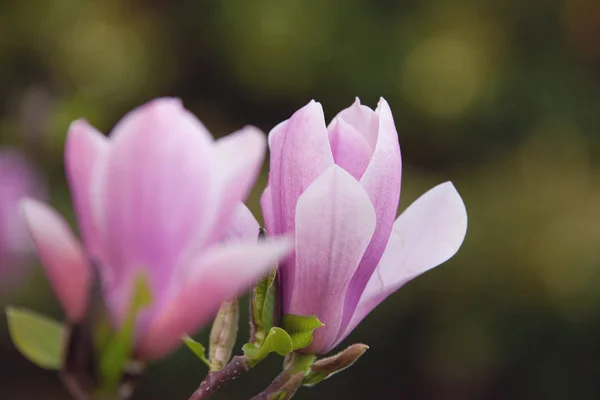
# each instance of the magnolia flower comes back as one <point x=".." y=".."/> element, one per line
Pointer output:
<point x="337" y="190"/>
<point x="17" y="179"/>
<point x="156" y="197"/>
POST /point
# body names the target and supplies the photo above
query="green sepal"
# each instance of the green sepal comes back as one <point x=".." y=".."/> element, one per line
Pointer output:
<point x="327" y="367"/>
<point x="38" y="338"/>
<point x="118" y="350"/>
<point x="296" y="332"/>
<point x="270" y="302"/>
<point x="277" y="341"/>
<point x="198" y="349"/>
<point x="264" y="305"/>
<point x="300" y="328"/>
<point x="297" y="362"/>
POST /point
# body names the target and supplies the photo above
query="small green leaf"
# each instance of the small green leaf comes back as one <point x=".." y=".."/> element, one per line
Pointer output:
<point x="258" y="301"/>
<point x="37" y="337"/>
<point x="118" y="351"/>
<point x="277" y="341"/>
<point x="300" y="328"/>
<point x="264" y="302"/>
<point x="197" y="348"/>
<point x="269" y="305"/>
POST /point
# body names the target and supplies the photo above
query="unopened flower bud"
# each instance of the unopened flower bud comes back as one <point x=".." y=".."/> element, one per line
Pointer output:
<point x="223" y="334"/>
<point x="325" y="367"/>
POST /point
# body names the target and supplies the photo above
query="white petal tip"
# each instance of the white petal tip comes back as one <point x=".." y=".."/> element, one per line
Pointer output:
<point x="37" y="214"/>
<point x="339" y="172"/>
<point x="76" y="126"/>
<point x="450" y="191"/>
<point x="28" y="206"/>
<point x="383" y="103"/>
<point x="448" y="194"/>
<point x="161" y="104"/>
<point x="173" y="101"/>
<point x="314" y="106"/>
<point x="253" y="132"/>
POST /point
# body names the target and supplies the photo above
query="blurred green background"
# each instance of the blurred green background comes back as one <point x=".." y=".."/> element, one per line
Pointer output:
<point x="501" y="97"/>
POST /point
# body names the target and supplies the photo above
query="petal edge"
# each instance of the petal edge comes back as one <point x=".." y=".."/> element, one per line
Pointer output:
<point x="429" y="232"/>
<point x="61" y="254"/>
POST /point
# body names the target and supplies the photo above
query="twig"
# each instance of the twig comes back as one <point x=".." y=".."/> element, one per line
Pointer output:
<point x="214" y="380"/>
<point x="283" y="387"/>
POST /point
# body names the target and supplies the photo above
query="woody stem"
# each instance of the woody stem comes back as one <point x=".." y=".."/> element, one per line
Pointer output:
<point x="216" y="379"/>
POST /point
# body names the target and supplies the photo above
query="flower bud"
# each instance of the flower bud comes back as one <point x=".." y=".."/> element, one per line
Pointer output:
<point x="223" y="334"/>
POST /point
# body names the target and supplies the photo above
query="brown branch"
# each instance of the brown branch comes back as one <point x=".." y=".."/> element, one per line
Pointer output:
<point x="216" y="379"/>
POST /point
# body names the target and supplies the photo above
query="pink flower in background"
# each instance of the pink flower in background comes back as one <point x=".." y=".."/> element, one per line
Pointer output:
<point x="158" y="196"/>
<point x="18" y="179"/>
<point x="337" y="190"/>
<point x="245" y="226"/>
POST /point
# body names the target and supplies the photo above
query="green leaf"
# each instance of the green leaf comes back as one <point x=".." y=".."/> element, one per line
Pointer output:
<point x="197" y="348"/>
<point x="277" y="341"/>
<point x="37" y="337"/>
<point x="269" y="305"/>
<point x="300" y="328"/>
<point x="326" y="367"/>
<point x="117" y="353"/>
<point x="263" y="305"/>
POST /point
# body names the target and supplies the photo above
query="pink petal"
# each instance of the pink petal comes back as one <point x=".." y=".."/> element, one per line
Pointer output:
<point x="221" y="274"/>
<point x="429" y="232"/>
<point x="363" y="120"/>
<point x="335" y="221"/>
<point x="266" y="205"/>
<point x="85" y="151"/>
<point x="157" y="193"/>
<point x="351" y="151"/>
<point x="239" y="157"/>
<point x="243" y="226"/>
<point x="381" y="181"/>
<point x="300" y="152"/>
<point x="63" y="259"/>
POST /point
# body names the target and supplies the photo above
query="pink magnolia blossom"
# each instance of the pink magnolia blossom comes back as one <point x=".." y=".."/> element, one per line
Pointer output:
<point x="18" y="179"/>
<point x="156" y="197"/>
<point x="337" y="190"/>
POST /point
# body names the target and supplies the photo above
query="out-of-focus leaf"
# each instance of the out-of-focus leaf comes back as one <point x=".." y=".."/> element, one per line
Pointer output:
<point x="117" y="354"/>
<point x="37" y="337"/>
<point x="197" y="348"/>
